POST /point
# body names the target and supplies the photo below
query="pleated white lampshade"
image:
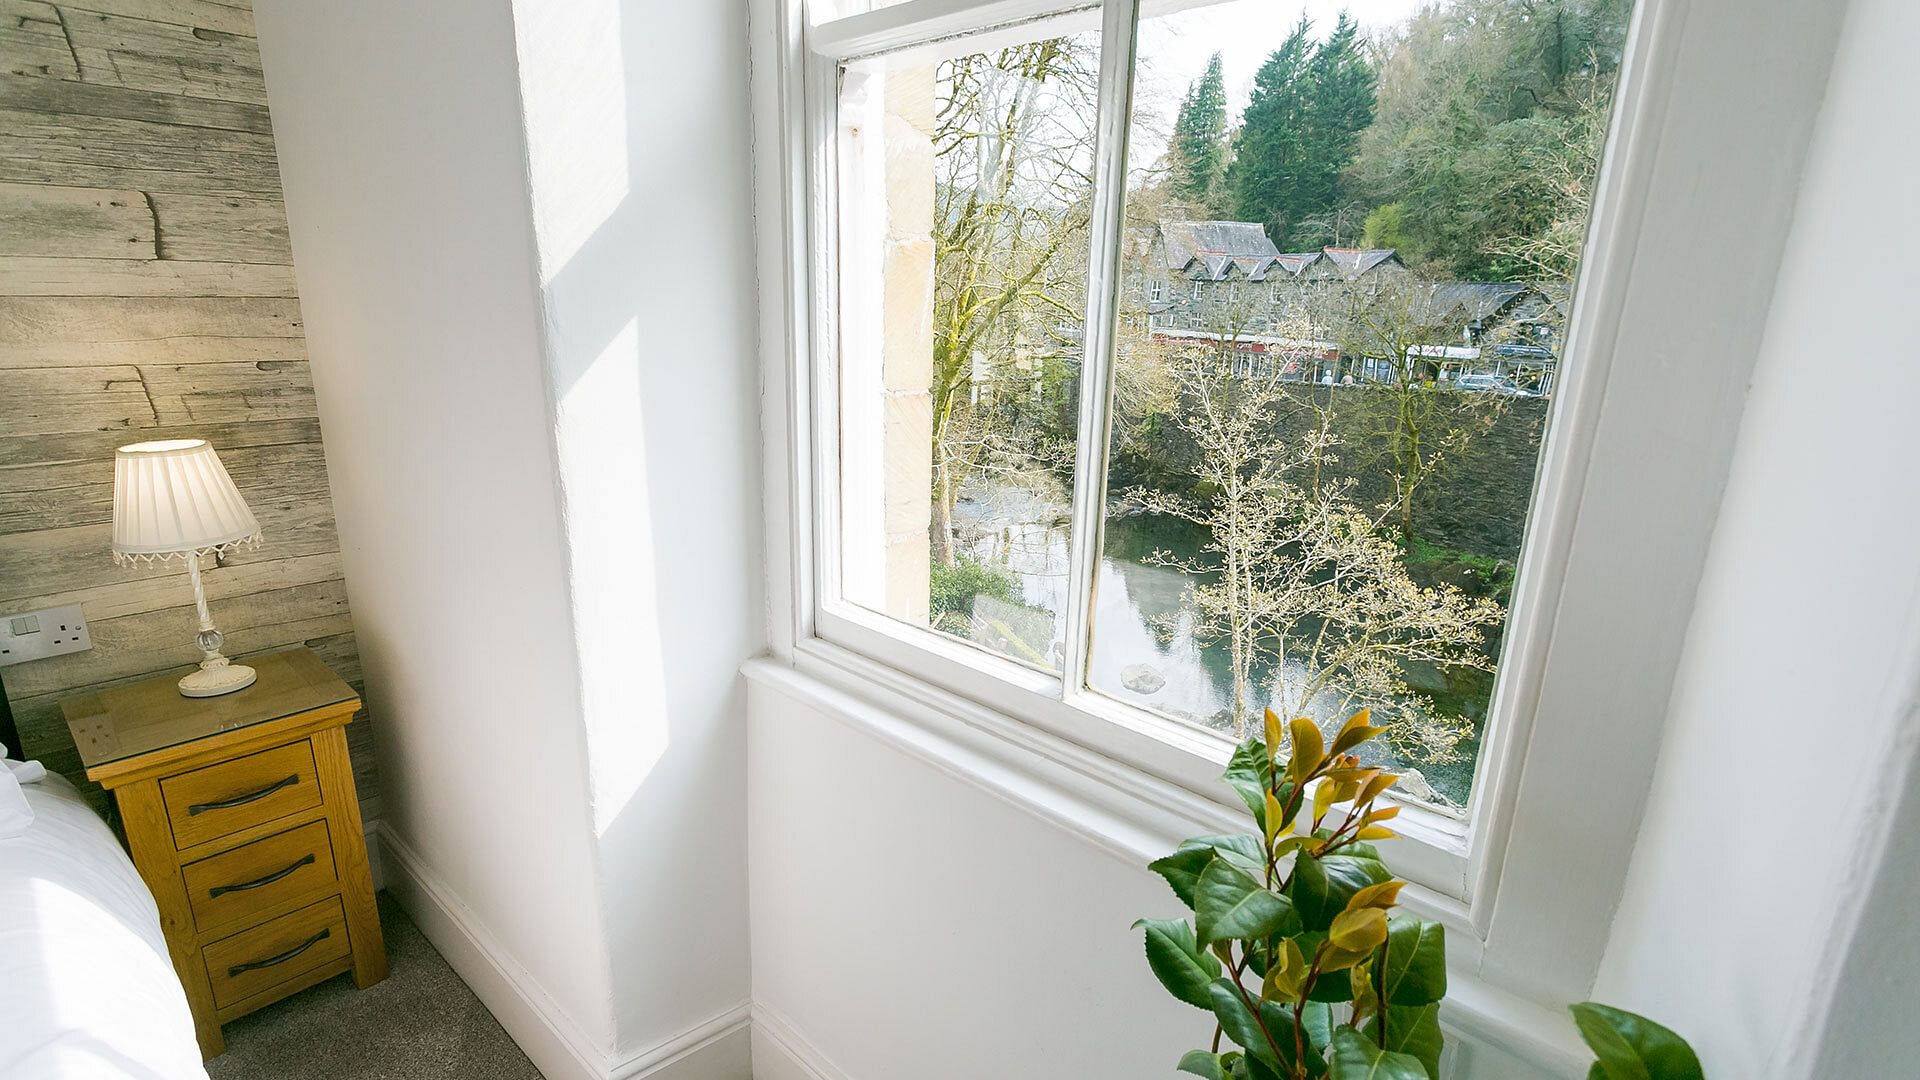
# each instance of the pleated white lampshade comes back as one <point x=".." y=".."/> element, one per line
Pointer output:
<point x="174" y="499"/>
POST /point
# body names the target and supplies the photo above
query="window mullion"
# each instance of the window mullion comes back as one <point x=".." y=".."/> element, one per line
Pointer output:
<point x="1119" y="23"/>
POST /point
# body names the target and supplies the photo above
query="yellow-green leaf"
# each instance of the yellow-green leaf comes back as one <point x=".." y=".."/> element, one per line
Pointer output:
<point x="1358" y="930"/>
<point x="1376" y="832"/>
<point x="1354" y="732"/>
<point x="1285" y="975"/>
<point x="1308" y="749"/>
<point x="1365" y="1001"/>
<point x="1274" y="733"/>
<point x="1323" y="797"/>
<point x="1375" y="785"/>
<point x="1384" y="895"/>
<point x="1275" y="817"/>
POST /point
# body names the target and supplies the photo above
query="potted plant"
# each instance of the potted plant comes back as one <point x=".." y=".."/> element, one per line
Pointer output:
<point x="1295" y="945"/>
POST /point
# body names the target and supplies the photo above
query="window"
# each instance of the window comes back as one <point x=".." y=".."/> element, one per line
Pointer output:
<point x="1169" y="523"/>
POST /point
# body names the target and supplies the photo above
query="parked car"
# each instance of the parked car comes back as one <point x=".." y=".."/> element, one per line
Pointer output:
<point x="1491" y="384"/>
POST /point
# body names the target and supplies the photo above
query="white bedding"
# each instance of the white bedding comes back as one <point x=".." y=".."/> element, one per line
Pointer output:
<point x="86" y="989"/>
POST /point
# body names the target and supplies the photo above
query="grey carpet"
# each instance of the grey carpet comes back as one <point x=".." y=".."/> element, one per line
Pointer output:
<point x="420" y="1023"/>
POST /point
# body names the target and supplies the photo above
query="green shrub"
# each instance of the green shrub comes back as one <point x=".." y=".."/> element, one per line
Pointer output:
<point x="954" y="588"/>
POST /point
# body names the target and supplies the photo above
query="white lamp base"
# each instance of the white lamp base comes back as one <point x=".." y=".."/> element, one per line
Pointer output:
<point x="215" y="677"/>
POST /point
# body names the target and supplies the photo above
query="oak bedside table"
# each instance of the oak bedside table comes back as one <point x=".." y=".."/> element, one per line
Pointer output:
<point x="241" y="816"/>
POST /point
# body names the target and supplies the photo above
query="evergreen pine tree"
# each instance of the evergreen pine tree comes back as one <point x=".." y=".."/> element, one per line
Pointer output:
<point x="1301" y="127"/>
<point x="1338" y="108"/>
<point x="1262" y="180"/>
<point x="1199" y="147"/>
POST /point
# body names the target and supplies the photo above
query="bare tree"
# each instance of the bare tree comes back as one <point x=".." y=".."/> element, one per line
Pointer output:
<point x="1013" y="138"/>
<point x="1295" y="576"/>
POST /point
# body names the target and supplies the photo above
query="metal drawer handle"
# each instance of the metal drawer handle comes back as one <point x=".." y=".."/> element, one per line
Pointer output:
<point x="222" y="890"/>
<point x="282" y="958"/>
<point x="242" y="800"/>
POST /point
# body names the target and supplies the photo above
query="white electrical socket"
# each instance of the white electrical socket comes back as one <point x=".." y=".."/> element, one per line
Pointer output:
<point x="32" y="635"/>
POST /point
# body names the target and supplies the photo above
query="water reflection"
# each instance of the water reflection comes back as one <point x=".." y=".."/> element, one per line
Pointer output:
<point x="1146" y="653"/>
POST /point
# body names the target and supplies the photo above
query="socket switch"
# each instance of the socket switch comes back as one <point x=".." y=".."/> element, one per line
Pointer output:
<point x="33" y="635"/>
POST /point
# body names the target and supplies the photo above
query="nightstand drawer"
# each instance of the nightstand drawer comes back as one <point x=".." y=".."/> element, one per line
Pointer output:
<point x="209" y="803"/>
<point x="234" y="884"/>
<point x="269" y="954"/>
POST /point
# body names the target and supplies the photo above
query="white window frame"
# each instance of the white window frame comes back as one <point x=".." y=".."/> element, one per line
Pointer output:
<point x="1614" y="544"/>
<point x="1156" y="291"/>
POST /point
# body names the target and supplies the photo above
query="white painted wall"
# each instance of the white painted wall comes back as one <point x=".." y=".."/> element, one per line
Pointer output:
<point x="1792" y="724"/>
<point x="524" y="236"/>
<point x="641" y="172"/>
<point x="407" y="200"/>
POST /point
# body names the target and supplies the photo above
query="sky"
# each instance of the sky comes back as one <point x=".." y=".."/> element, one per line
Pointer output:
<point x="1174" y="48"/>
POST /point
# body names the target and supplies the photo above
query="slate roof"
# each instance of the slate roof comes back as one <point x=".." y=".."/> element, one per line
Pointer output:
<point x="1356" y="261"/>
<point x="1474" y="301"/>
<point x="1213" y="250"/>
<point x="1295" y="261"/>
<point x="1231" y="239"/>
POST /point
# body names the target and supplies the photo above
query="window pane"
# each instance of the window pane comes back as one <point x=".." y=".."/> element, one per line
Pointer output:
<point x="1347" y="262"/>
<point x="964" y="185"/>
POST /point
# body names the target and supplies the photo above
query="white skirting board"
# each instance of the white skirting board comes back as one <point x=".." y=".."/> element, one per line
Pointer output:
<point x="780" y="1052"/>
<point x="716" y="1049"/>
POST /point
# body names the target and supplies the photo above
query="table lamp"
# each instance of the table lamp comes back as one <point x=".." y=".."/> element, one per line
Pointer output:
<point x="173" y="500"/>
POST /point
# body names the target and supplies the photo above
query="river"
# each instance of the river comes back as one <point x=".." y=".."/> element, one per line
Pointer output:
<point x="1144" y="651"/>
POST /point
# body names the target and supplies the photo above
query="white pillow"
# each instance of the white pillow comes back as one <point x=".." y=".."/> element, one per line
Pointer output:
<point x="16" y="813"/>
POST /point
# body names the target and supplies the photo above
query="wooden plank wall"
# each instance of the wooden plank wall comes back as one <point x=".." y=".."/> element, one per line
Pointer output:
<point x="146" y="291"/>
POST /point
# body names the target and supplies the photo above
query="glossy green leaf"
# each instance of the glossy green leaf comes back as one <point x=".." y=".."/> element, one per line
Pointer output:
<point x="1317" y="1018"/>
<point x="1322" y="887"/>
<point x="1184" y="968"/>
<point x="1312" y="894"/>
<point x="1348" y="872"/>
<point x="1356" y="1057"/>
<point x="1210" y="1066"/>
<point x="1229" y="903"/>
<point x="1415" y="1030"/>
<point x="1242" y="850"/>
<point x="1250" y="774"/>
<point x="1416" y="972"/>
<point x="1236" y="1019"/>
<point x="1260" y="1070"/>
<point x="1182" y="870"/>
<point x="1632" y="1047"/>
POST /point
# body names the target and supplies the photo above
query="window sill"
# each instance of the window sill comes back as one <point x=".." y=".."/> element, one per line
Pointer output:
<point x="1130" y="814"/>
<point x="1127" y="749"/>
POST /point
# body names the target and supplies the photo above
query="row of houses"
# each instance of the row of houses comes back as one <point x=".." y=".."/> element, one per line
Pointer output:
<point x="1280" y="313"/>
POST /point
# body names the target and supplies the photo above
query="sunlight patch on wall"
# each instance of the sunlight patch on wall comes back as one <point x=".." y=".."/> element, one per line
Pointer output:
<point x="574" y="93"/>
<point x="602" y="450"/>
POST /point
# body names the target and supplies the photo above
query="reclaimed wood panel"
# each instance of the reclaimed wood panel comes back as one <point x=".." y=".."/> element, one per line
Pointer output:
<point x="147" y="291"/>
<point x="205" y="227"/>
<point x="150" y="641"/>
<point x="52" y="561"/>
<point x="77" y="223"/>
<point x="225" y="16"/>
<point x="63" y="331"/>
<point x="66" y="458"/>
<point x="165" y="57"/>
<point x="70" y="97"/>
<point x="211" y="393"/>
<point x="46" y="400"/>
<point x="270" y="472"/>
<point x="141" y="277"/>
<point x="33" y="42"/>
<point x="162" y="588"/>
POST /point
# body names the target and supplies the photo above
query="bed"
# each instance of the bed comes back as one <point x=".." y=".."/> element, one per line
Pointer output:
<point x="86" y="989"/>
